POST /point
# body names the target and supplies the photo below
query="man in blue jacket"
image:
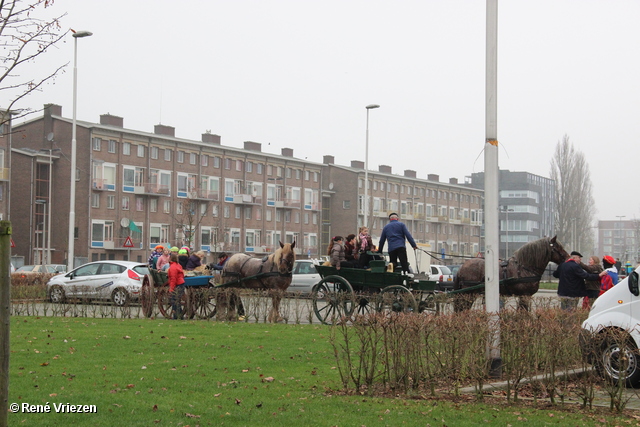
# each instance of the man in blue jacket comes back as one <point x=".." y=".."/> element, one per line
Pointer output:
<point x="571" y="279"/>
<point x="395" y="232"/>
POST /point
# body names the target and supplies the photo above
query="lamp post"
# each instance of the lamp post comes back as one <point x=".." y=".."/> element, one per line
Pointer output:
<point x="506" y="248"/>
<point x="72" y="190"/>
<point x="366" y="167"/>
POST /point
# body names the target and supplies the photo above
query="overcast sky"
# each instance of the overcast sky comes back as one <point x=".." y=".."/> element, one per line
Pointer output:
<point x="299" y="74"/>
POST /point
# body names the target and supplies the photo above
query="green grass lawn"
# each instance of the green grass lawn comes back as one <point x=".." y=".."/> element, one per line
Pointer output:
<point x="158" y="372"/>
<point x="549" y="285"/>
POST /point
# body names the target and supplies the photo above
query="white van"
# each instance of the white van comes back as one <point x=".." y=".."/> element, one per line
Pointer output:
<point x="618" y="309"/>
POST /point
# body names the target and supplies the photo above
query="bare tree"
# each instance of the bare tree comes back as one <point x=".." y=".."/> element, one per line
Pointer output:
<point x="575" y="207"/>
<point x="193" y="212"/>
<point x="26" y="33"/>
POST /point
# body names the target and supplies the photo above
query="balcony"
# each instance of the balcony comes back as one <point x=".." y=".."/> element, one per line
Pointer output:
<point x="99" y="184"/>
<point x="209" y="195"/>
<point x="442" y="218"/>
<point x="312" y="206"/>
<point x="156" y="190"/>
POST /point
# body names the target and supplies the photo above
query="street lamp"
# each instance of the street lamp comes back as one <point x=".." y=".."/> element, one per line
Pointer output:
<point x="506" y="248"/>
<point x="72" y="190"/>
<point x="366" y="167"/>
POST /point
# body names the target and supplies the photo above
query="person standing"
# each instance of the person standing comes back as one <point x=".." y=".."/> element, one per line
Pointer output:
<point x="571" y="279"/>
<point x="395" y="233"/>
<point x="592" y="286"/>
<point x="175" y="275"/>
<point x="609" y="276"/>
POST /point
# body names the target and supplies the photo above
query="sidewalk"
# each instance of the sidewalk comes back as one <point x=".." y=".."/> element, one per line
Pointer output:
<point x="601" y="399"/>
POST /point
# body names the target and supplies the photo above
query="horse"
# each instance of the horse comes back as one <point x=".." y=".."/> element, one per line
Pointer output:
<point x="272" y="273"/>
<point x="519" y="275"/>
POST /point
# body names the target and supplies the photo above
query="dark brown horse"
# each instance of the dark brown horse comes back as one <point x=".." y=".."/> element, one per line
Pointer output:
<point x="272" y="273"/>
<point x="519" y="276"/>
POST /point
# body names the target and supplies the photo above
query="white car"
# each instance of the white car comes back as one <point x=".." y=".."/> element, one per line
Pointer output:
<point x="304" y="276"/>
<point x="442" y="275"/>
<point x="117" y="281"/>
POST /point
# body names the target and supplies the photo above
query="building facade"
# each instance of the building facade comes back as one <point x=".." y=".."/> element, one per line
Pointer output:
<point x="444" y="218"/>
<point x="619" y="238"/>
<point x="527" y="207"/>
<point x="5" y="163"/>
<point x="135" y="190"/>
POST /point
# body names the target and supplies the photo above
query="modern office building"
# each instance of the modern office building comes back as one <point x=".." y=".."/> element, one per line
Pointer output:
<point x="444" y="217"/>
<point x="527" y="207"/>
<point x="137" y="189"/>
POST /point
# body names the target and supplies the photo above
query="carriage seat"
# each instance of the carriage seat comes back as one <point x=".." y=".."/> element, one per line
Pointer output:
<point x="377" y="266"/>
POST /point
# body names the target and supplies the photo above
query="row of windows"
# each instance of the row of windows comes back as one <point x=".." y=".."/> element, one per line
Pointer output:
<point x="421" y="192"/>
<point x="105" y="231"/>
<point x="167" y="206"/>
<point x="205" y="160"/>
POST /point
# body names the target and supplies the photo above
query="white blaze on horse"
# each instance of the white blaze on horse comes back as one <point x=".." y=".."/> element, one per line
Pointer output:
<point x="271" y="273"/>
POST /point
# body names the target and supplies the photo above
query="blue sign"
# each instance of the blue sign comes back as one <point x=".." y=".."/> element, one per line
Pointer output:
<point x="442" y="252"/>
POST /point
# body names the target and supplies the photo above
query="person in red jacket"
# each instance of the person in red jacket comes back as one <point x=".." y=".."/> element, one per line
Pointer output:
<point x="176" y="285"/>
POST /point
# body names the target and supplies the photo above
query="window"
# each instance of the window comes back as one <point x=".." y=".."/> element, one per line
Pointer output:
<point x="216" y="162"/>
<point x="238" y="212"/>
<point x="259" y="168"/>
<point x="178" y="208"/>
<point x="104" y="176"/>
<point x="180" y="156"/>
<point x="204" y="160"/>
<point x="192" y="158"/>
<point x="167" y="206"/>
<point x="247" y="212"/>
<point x="125" y="203"/>
<point x="227" y="212"/>
<point x="132" y="177"/>
<point x="111" y="201"/>
<point x="126" y="148"/>
<point x="140" y="150"/>
<point x="306" y="175"/>
<point x="158" y="233"/>
<point x="139" y="204"/>
<point x="215" y="211"/>
<point x="154" y="152"/>
<point x="167" y="155"/>
<point x="95" y="200"/>
<point x="288" y="172"/>
<point x="227" y="164"/>
<point x="298" y="173"/>
<point x="153" y="205"/>
<point x="101" y="232"/>
<point x="346" y="204"/>
<point x="96" y="143"/>
<point x="269" y="213"/>
<point x="249" y="167"/>
<point x="239" y="165"/>
<point x="112" y="146"/>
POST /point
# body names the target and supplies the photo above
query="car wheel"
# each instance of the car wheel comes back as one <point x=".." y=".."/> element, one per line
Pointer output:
<point x="120" y="297"/>
<point x="619" y="361"/>
<point x="56" y="294"/>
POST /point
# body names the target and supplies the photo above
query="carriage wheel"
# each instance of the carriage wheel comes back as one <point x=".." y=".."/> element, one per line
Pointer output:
<point x="146" y="296"/>
<point x="164" y="303"/>
<point x="365" y="304"/>
<point x="396" y="299"/>
<point x="333" y="299"/>
<point x="202" y="303"/>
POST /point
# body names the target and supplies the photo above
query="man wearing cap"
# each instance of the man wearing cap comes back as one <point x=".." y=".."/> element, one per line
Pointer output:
<point x="222" y="258"/>
<point x="395" y="232"/>
<point x="571" y="279"/>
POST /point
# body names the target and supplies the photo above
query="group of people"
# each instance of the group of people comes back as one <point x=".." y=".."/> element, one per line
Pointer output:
<point x="577" y="280"/>
<point x="175" y="262"/>
<point x="355" y="251"/>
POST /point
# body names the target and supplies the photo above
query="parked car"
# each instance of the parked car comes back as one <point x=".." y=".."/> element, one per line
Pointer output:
<point x="304" y="276"/>
<point x="117" y="281"/>
<point x="49" y="268"/>
<point x="454" y="270"/>
<point x="442" y="275"/>
<point x="610" y="336"/>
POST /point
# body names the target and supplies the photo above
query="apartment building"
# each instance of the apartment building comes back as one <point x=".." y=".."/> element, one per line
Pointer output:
<point x="619" y="238"/>
<point x="527" y="207"/>
<point x="137" y="189"/>
<point x="443" y="217"/>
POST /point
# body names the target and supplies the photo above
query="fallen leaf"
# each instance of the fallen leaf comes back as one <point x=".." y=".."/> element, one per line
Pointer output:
<point x="131" y="385"/>
<point x="238" y="401"/>
<point x="155" y="408"/>
<point x="268" y="380"/>
<point x="126" y="337"/>
<point x="53" y="394"/>
<point x="44" y="364"/>
<point x="192" y="416"/>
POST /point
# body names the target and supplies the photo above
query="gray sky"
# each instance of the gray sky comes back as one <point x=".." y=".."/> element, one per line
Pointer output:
<point x="299" y="74"/>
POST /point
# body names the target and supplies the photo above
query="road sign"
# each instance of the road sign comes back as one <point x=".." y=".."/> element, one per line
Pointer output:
<point x="13" y="245"/>
<point x="128" y="243"/>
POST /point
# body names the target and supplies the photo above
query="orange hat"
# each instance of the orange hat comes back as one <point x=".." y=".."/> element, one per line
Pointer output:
<point x="609" y="259"/>
<point x="159" y="248"/>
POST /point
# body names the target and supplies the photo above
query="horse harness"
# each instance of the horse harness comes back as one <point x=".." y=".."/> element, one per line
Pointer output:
<point x="259" y="275"/>
<point x="504" y="267"/>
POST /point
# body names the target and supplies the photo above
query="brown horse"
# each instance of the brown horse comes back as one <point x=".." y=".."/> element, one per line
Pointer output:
<point x="272" y="273"/>
<point x="519" y="276"/>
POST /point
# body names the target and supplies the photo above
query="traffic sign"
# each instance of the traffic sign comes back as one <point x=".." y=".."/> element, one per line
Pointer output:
<point x="128" y="243"/>
<point x="13" y="245"/>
